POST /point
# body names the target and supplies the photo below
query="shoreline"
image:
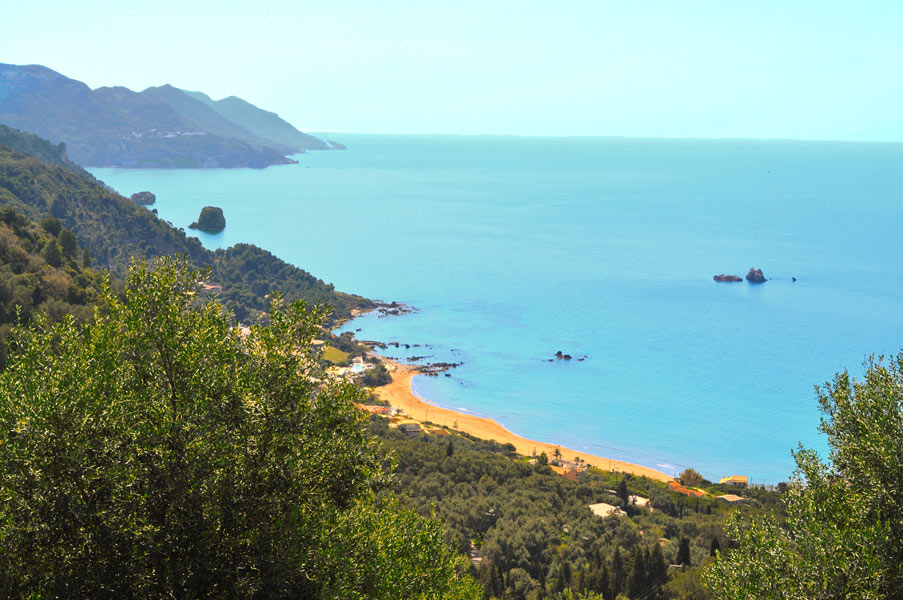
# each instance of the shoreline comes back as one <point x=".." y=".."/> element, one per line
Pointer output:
<point x="400" y="394"/>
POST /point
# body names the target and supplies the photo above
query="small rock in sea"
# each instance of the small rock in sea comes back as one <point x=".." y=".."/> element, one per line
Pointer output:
<point x="755" y="276"/>
<point x="727" y="278"/>
<point x="448" y="374"/>
<point x="580" y="359"/>
<point x="550" y="360"/>
<point x="558" y="354"/>
<point x="793" y="278"/>
<point x="567" y="357"/>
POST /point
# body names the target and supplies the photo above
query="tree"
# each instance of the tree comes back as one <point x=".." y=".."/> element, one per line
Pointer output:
<point x="160" y="452"/>
<point x="68" y="243"/>
<point x="843" y="536"/>
<point x="51" y="253"/>
<point x="715" y="548"/>
<point x="623" y="494"/>
<point x="683" y="551"/>
<point x="691" y="477"/>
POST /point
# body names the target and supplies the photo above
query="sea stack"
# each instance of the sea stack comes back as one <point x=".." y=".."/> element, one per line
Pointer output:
<point x="211" y="220"/>
<point x="755" y="276"/>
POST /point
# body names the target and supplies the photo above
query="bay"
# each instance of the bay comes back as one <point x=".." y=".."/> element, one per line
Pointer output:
<point x="514" y="248"/>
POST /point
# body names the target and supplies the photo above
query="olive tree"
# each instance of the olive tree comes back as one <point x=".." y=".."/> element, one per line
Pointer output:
<point x="161" y="451"/>
<point x="843" y="537"/>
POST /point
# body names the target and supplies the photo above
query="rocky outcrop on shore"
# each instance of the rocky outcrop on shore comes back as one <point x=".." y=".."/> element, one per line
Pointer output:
<point x="755" y="276"/>
<point x="727" y="278"/>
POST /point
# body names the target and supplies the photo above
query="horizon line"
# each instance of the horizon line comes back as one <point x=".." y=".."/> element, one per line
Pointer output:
<point x="609" y="137"/>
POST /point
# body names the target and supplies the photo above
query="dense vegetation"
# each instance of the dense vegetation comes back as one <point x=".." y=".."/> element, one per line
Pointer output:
<point x="248" y="274"/>
<point x="160" y="452"/>
<point x="41" y="269"/>
<point x="534" y="533"/>
<point x="113" y="229"/>
<point x="41" y="149"/>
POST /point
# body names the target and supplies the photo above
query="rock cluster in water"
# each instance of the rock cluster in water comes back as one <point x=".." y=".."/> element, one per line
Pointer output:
<point x="754" y="276"/>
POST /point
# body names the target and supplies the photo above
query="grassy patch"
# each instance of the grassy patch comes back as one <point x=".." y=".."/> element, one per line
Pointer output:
<point x="334" y="355"/>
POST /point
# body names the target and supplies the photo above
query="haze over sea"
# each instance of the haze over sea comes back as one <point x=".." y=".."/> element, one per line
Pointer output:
<point x="513" y="248"/>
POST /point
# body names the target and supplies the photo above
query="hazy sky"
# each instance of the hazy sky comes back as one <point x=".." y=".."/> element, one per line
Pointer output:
<point x="789" y="69"/>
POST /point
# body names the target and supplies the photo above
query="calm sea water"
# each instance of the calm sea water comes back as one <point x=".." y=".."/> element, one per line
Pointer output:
<point x="514" y="248"/>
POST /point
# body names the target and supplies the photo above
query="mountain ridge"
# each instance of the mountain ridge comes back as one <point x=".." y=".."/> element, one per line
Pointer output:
<point x="159" y="127"/>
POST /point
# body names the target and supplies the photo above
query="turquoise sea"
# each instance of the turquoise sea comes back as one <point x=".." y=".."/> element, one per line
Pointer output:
<point x="513" y="248"/>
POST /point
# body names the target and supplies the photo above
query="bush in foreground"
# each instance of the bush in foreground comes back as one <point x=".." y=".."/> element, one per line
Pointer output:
<point x="156" y="452"/>
<point x="843" y="536"/>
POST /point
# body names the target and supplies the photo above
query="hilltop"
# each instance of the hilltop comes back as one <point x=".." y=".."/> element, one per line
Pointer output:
<point x="160" y="127"/>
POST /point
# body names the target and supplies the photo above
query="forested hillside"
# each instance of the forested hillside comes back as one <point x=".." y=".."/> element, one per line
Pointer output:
<point x="41" y="269"/>
<point x="113" y="229"/>
<point x="532" y="534"/>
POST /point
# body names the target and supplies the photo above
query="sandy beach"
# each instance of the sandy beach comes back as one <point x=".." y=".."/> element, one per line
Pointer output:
<point x="400" y="395"/>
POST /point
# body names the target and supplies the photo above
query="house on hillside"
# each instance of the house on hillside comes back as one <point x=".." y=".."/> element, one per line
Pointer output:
<point x="674" y="486"/>
<point x="409" y="428"/>
<point x="731" y="498"/>
<point x="735" y="480"/>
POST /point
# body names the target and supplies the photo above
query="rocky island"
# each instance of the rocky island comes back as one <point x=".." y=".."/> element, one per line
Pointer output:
<point x="211" y="220"/>
<point x="755" y="276"/>
<point x="727" y="278"/>
<point x="143" y="198"/>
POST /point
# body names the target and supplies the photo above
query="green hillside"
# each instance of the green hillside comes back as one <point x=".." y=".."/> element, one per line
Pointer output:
<point x="113" y="229"/>
<point x="42" y="268"/>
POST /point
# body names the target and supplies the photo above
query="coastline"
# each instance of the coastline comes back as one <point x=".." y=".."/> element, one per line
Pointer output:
<point x="400" y="395"/>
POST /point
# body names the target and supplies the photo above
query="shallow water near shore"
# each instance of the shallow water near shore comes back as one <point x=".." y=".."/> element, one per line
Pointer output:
<point x="514" y="248"/>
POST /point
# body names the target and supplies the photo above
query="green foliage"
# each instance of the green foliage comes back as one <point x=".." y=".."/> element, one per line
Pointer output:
<point x="248" y="273"/>
<point x="843" y="536"/>
<point x="159" y="452"/>
<point x="623" y="494"/>
<point x="375" y="376"/>
<point x="32" y="145"/>
<point x="35" y="276"/>
<point x="683" y="552"/>
<point x="532" y="528"/>
<point x="690" y="477"/>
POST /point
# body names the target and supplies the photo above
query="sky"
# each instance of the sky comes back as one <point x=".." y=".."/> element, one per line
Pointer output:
<point x="790" y="69"/>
